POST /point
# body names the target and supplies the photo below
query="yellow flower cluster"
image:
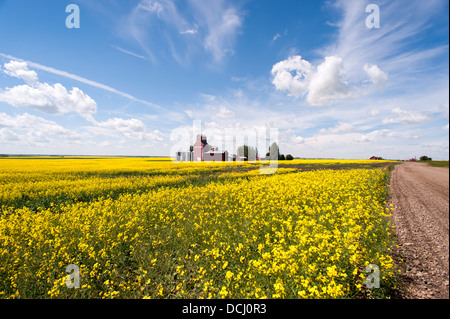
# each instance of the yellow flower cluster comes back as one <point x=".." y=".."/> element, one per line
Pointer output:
<point x="141" y="228"/>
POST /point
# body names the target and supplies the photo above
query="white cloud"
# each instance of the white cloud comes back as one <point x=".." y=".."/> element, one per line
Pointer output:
<point x="82" y="80"/>
<point x="444" y="109"/>
<point x="189" y="113"/>
<point x="225" y="113"/>
<point x="35" y="127"/>
<point x="292" y="75"/>
<point x="376" y="76"/>
<point x="129" y="52"/>
<point x="341" y="127"/>
<point x="129" y="128"/>
<point x="445" y="127"/>
<point x="276" y="36"/>
<point x="299" y="140"/>
<point x="222" y="25"/>
<point x="193" y="30"/>
<point x="51" y="99"/>
<point x="375" y="136"/>
<point x="328" y="83"/>
<point x="324" y="85"/>
<point x="123" y="125"/>
<point x="406" y="117"/>
<point x="20" y="70"/>
<point x="7" y="135"/>
<point x="402" y="23"/>
<point x="151" y="6"/>
<point x="215" y="25"/>
<point x="38" y="135"/>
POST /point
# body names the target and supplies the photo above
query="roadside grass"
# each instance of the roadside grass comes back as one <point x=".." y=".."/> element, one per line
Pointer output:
<point x="436" y="163"/>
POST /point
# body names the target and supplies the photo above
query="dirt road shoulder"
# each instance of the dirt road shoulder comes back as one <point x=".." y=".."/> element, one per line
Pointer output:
<point x="420" y="196"/>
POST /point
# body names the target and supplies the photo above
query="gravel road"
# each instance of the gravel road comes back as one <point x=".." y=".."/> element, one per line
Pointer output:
<point x="420" y="195"/>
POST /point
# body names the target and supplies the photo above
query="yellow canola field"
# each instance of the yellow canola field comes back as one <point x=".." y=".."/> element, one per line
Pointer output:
<point x="154" y="229"/>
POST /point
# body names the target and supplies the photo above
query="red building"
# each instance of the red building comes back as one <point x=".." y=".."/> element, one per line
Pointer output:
<point x="200" y="147"/>
<point x="204" y="152"/>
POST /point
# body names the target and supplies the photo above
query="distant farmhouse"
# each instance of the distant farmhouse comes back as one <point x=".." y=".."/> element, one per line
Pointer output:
<point x="204" y="152"/>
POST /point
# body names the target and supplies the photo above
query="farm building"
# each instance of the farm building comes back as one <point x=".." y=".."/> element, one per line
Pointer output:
<point x="203" y="152"/>
<point x="184" y="156"/>
<point x="200" y="147"/>
<point x="215" y="156"/>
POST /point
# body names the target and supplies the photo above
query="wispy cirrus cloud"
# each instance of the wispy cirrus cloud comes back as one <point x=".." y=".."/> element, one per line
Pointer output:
<point x="406" y="117"/>
<point x="202" y="27"/>
<point x="129" y="52"/>
<point x="403" y="23"/>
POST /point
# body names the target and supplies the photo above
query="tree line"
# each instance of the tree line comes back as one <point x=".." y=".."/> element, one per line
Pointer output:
<point x="251" y="153"/>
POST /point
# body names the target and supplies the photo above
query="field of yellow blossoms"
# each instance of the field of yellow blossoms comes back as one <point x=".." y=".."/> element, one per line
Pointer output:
<point x="152" y="228"/>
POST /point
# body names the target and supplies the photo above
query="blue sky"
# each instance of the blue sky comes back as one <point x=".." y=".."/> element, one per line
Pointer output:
<point x="139" y="77"/>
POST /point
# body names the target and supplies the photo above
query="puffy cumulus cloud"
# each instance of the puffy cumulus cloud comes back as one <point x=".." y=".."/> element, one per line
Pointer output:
<point x="124" y="126"/>
<point x="376" y="76"/>
<point x="129" y="128"/>
<point x="328" y="83"/>
<point x="35" y="128"/>
<point x="20" y="70"/>
<point x="322" y="85"/>
<point x="50" y="99"/>
<point x="6" y="135"/>
<point x="292" y="75"/>
<point x="406" y="117"/>
<point x="299" y="140"/>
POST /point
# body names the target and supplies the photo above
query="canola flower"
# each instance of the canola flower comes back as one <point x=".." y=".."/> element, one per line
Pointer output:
<point x="169" y="233"/>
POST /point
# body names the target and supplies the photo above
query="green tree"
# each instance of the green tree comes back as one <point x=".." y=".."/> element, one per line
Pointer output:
<point x="425" y="158"/>
<point x="249" y="152"/>
<point x="289" y="157"/>
<point x="274" y="151"/>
